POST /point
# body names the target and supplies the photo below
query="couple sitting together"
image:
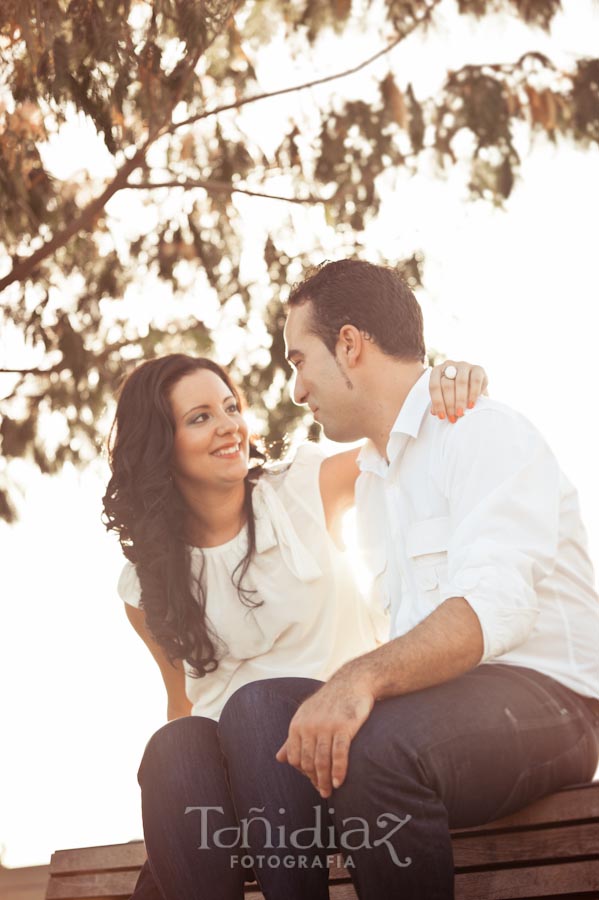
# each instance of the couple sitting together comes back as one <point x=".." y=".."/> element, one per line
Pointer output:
<point x="304" y="717"/>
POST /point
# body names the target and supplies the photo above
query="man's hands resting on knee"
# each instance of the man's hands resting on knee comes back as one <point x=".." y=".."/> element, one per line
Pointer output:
<point x="324" y="726"/>
<point x="446" y="644"/>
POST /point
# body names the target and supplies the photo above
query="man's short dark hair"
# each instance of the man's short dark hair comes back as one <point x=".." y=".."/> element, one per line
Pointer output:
<point x="375" y="299"/>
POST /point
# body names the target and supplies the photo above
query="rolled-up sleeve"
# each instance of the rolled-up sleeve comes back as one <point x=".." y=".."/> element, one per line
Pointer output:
<point x="503" y="487"/>
<point x="128" y="587"/>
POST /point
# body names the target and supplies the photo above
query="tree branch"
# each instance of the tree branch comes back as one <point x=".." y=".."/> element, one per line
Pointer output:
<point x="25" y="267"/>
<point x="267" y="95"/>
<point x="220" y="187"/>
<point x="34" y="371"/>
<point x="59" y="366"/>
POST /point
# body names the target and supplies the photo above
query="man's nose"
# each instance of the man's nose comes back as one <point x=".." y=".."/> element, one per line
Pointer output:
<point x="299" y="392"/>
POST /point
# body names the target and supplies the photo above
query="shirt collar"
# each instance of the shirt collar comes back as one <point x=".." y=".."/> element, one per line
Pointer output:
<point x="414" y="407"/>
<point x="407" y="425"/>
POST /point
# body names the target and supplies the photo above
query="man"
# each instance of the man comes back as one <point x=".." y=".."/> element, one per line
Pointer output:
<point x="485" y="697"/>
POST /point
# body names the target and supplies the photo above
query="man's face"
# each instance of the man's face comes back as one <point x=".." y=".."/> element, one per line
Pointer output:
<point x="320" y="380"/>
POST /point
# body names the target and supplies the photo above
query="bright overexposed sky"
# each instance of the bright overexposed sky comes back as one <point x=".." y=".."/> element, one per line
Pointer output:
<point x="515" y="289"/>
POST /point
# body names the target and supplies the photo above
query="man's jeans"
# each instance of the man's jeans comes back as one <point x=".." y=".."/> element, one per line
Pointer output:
<point x="454" y="755"/>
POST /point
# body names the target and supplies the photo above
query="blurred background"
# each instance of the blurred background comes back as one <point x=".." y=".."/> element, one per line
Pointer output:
<point x="160" y="192"/>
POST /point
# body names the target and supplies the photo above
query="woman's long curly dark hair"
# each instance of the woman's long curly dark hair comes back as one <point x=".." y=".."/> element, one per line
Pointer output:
<point x="145" y="508"/>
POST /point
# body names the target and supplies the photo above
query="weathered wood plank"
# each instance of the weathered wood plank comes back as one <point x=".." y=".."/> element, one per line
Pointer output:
<point x="567" y="805"/>
<point x="470" y="849"/>
<point x="115" y="857"/>
<point x="120" y="886"/>
<point x="581" y="802"/>
<point x="540" y="844"/>
<point x="110" y="872"/>
<point x="340" y="891"/>
<point x="92" y="884"/>
<point x="88" y="859"/>
<point x="564" y="879"/>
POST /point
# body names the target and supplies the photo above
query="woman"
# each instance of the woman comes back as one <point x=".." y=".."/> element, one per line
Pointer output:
<point x="233" y="576"/>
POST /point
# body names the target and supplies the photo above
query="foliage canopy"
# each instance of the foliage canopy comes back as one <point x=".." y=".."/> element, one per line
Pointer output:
<point x="175" y="89"/>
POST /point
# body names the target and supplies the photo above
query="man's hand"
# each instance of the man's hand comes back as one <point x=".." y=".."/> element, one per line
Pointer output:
<point x="321" y="731"/>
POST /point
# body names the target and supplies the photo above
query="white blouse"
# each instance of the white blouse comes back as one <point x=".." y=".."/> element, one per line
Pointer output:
<point x="312" y="618"/>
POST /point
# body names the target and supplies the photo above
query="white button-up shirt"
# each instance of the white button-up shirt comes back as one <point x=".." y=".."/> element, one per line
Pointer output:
<point x="481" y="510"/>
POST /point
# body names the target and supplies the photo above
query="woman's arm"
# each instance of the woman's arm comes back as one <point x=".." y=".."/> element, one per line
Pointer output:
<point x="452" y="397"/>
<point x="338" y="476"/>
<point x="173" y="675"/>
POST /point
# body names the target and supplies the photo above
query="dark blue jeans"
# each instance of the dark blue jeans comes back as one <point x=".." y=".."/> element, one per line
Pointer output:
<point x="458" y="754"/>
<point x="209" y="795"/>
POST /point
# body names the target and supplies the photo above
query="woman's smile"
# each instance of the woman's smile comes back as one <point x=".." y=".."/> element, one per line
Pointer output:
<point x="230" y="451"/>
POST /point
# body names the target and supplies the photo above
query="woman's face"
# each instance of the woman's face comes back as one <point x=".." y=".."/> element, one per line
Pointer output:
<point x="211" y="440"/>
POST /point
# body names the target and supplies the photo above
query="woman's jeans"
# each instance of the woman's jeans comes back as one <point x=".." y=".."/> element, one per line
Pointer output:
<point x="454" y="755"/>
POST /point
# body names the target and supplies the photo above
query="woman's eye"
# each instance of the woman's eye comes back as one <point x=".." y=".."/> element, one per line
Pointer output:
<point x="233" y="408"/>
<point x="199" y="418"/>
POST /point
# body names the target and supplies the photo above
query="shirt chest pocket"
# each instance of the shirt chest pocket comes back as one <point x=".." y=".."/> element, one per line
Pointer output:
<point x="426" y="548"/>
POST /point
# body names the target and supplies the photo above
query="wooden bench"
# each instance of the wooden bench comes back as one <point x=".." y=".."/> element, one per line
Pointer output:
<point x="549" y="850"/>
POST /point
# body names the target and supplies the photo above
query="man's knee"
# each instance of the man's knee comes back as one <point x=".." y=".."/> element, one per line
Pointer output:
<point x="386" y="751"/>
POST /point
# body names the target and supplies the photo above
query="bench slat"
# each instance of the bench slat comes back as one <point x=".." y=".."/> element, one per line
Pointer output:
<point x="523" y="882"/>
<point x="532" y="846"/>
<point x="470" y="849"/>
<point x="112" y="858"/>
<point x="567" y="805"/>
<point x="336" y="892"/>
<point x="119" y="885"/>
<point x="102" y="884"/>
<point x="88" y="859"/>
<point x="528" y="882"/>
<point x="571" y="804"/>
<point x="559" y="827"/>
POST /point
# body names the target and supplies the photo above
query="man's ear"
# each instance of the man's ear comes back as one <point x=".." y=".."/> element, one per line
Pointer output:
<point x="350" y="345"/>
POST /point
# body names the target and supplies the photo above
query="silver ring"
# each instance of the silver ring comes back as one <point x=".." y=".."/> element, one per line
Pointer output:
<point x="450" y="372"/>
